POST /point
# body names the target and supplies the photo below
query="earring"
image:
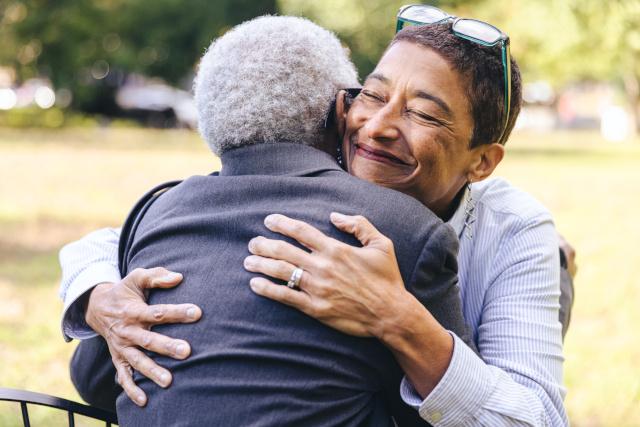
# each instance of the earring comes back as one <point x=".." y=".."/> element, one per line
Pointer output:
<point x="339" y="156"/>
<point x="470" y="216"/>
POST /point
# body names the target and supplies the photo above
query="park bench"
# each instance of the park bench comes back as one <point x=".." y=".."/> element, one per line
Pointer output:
<point x="25" y="398"/>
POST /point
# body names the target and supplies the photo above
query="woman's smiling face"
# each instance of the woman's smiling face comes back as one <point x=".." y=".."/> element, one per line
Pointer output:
<point x="410" y="127"/>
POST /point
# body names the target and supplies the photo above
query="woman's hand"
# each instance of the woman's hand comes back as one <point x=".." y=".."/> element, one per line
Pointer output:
<point x="119" y="313"/>
<point x="355" y="290"/>
<point x="358" y="291"/>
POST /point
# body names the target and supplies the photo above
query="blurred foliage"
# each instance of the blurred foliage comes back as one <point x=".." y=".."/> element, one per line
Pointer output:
<point x="365" y="26"/>
<point x="75" y="43"/>
<point x="57" y="118"/>
<point x="33" y="117"/>
<point x="564" y="41"/>
<point x="560" y="41"/>
<point x="89" y="46"/>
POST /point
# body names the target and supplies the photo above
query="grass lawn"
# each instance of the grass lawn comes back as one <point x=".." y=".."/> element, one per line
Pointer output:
<point x="57" y="186"/>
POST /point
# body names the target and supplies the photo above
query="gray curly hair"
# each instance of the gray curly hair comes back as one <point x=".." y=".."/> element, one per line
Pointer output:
<point x="268" y="80"/>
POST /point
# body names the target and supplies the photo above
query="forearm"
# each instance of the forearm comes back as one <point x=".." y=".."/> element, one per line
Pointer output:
<point x="518" y="380"/>
<point x="449" y="384"/>
<point x="86" y="263"/>
<point x="422" y="347"/>
<point x="473" y="392"/>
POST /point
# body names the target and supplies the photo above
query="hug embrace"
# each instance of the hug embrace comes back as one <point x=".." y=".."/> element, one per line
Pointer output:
<point x="351" y="264"/>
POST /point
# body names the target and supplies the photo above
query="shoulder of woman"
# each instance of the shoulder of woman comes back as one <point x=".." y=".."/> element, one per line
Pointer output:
<point x="496" y="196"/>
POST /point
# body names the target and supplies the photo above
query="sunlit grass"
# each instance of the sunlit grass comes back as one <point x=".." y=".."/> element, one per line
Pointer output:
<point x="57" y="186"/>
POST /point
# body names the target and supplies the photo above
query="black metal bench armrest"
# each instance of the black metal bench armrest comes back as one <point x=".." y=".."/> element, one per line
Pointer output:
<point x="28" y="397"/>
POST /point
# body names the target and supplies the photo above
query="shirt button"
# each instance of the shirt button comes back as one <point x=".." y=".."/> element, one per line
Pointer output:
<point x="436" y="417"/>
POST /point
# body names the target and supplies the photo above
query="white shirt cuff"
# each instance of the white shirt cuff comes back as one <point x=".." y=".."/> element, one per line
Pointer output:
<point x="73" y="322"/>
<point x="460" y="394"/>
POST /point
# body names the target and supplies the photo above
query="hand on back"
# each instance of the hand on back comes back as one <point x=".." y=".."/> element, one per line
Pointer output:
<point x="119" y="313"/>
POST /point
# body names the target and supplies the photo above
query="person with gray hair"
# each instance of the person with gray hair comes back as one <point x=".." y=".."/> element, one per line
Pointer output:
<point x="270" y="80"/>
<point x="263" y="93"/>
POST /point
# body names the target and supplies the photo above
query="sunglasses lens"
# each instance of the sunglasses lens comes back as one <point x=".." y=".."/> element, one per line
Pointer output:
<point x="478" y="30"/>
<point x="423" y="14"/>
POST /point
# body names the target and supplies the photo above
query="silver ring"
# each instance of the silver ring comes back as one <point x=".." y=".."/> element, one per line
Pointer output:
<point x="294" y="280"/>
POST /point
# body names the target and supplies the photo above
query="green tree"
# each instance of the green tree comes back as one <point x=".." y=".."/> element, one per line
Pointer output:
<point x="564" y="41"/>
<point x="366" y="26"/>
<point x="560" y="41"/>
<point x="89" y="46"/>
<point x="615" y="27"/>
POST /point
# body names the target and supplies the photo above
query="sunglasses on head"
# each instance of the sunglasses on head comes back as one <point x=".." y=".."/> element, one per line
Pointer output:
<point x="469" y="29"/>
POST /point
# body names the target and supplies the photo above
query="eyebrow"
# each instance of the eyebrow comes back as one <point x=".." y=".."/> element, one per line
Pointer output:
<point x="428" y="96"/>
<point x="378" y="76"/>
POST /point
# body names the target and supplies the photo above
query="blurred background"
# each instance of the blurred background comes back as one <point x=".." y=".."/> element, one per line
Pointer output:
<point x="96" y="108"/>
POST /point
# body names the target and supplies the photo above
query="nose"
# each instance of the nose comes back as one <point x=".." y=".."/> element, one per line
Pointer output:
<point x="382" y="126"/>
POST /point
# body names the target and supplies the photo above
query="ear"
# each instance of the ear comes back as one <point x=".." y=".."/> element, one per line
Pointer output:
<point x="485" y="160"/>
<point x="341" y="113"/>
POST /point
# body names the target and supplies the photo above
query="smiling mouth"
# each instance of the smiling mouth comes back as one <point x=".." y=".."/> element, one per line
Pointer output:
<point x="377" y="155"/>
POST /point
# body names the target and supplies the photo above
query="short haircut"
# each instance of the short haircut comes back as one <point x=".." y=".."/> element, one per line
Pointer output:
<point x="481" y="67"/>
<point x="269" y="80"/>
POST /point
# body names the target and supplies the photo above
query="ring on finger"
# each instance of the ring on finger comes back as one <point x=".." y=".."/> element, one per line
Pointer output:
<point x="294" y="280"/>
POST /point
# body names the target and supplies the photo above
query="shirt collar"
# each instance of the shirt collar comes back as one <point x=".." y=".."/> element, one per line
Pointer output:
<point x="276" y="159"/>
<point x="457" y="221"/>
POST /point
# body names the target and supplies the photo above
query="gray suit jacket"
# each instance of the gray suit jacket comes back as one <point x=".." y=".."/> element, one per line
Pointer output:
<point x="255" y="361"/>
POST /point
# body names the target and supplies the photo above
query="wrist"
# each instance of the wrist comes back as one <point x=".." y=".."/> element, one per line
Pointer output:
<point x="422" y="347"/>
<point x="398" y="324"/>
<point x="89" y="301"/>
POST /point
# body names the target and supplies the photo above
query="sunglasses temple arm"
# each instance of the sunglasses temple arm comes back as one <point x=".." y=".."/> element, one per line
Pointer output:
<point x="506" y="63"/>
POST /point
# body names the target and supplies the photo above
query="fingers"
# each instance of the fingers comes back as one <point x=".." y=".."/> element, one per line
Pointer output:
<point x="169" y="313"/>
<point x="307" y="235"/>
<point x="125" y="379"/>
<point x="361" y="228"/>
<point x="153" y="278"/>
<point x="278" y="249"/>
<point x="270" y="267"/>
<point x="280" y="293"/>
<point x="161" y="344"/>
<point x="146" y="366"/>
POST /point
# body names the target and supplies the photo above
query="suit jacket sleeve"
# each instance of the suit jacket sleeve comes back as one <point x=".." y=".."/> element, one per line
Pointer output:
<point x="434" y="281"/>
<point x="93" y="374"/>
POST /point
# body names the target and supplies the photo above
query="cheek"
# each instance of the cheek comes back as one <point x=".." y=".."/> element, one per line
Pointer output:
<point x="357" y="117"/>
<point x="429" y="151"/>
<point x="436" y="163"/>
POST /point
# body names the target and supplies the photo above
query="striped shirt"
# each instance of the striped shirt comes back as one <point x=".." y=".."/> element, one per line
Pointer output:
<point x="509" y="275"/>
<point x="510" y="286"/>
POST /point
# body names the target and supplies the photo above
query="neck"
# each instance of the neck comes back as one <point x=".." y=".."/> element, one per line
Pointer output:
<point x="446" y="208"/>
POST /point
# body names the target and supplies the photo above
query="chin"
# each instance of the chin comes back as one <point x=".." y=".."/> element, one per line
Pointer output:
<point x="379" y="173"/>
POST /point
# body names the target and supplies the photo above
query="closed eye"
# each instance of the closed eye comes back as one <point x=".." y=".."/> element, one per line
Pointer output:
<point x="424" y="117"/>
<point x="372" y="96"/>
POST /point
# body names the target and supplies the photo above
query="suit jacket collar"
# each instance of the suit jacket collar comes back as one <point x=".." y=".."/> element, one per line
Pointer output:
<point x="276" y="159"/>
<point x="289" y="159"/>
